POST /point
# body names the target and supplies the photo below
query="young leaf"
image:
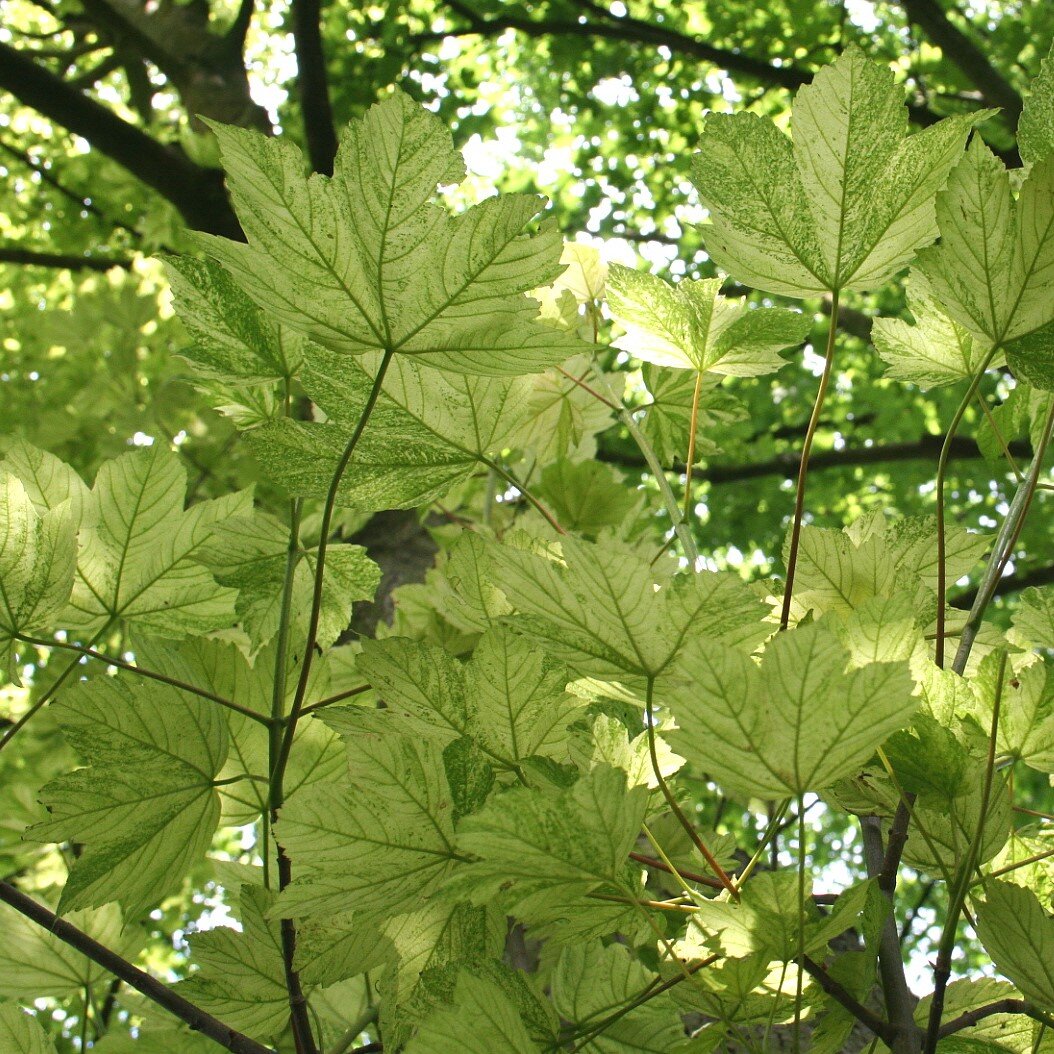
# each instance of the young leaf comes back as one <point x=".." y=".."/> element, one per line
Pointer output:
<point x="690" y="326"/>
<point x="798" y="723"/>
<point x="600" y="612"/>
<point x="20" y="1033"/>
<point x="383" y="836"/>
<point x="495" y="1023"/>
<point x="846" y="205"/>
<point x="145" y="810"/>
<point x="668" y="416"/>
<point x="366" y="261"/>
<point x="936" y="350"/>
<point x="139" y="557"/>
<point x="1019" y="936"/>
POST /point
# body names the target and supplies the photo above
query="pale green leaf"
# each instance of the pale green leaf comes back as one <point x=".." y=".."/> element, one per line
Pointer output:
<point x="397" y="465"/>
<point x="248" y="553"/>
<point x="562" y="418"/>
<point x="601" y="613"/>
<point x="950" y="825"/>
<point x="145" y="810"/>
<point x="20" y="1033"/>
<point x="384" y="835"/>
<point x="242" y="975"/>
<point x="475" y="415"/>
<point x="1026" y="709"/>
<point x="510" y="697"/>
<point x="691" y="326"/>
<point x="797" y="723"/>
<point x="1034" y="618"/>
<point x="1019" y="936"/>
<point x="1035" y="130"/>
<point x="767" y="919"/>
<point x="48" y="481"/>
<point x="366" y="261"/>
<point x="543" y="852"/>
<point x="223" y="669"/>
<point x="587" y="496"/>
<point x="480" y="1020"/>
<point x="139" y="559"/>
<point x="846" y="205"/>
<point x="935" y="350"/>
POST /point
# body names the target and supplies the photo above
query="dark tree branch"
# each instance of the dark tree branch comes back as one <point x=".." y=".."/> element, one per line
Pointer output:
<point x="786" y="465"/>
<point x="962" y="52"/>
<point x="637" y="31"/>
<point x="69" y="261"/>
<point x="196" y="192"/>
<point x="135" y="978"/>
<point x="313" y="85"/>
<point x="631" y="31"/>
<point x="840" y="995"/>
<point x="1002" y="1006"/>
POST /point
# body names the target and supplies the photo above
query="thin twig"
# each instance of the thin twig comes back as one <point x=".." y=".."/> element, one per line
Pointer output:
<point x="803" y="468"/>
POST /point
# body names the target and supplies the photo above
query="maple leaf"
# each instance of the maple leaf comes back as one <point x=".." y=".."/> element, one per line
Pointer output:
<point x="366" y="261"/>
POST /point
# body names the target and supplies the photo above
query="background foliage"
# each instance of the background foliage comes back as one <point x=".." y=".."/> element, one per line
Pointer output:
<point x="108" y="162"/>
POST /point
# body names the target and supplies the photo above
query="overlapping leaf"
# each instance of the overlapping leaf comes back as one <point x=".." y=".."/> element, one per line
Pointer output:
<point x="797" y="723"/>
<point x="145" y="809"/>
<point x="936" y="350"/>
<point x="366" y="261"/>
<point x="383" y="836"/>
<point x="20" y="1033"/>
<point x="242" y="976"/>
<point x="510" y="697"/>
<point x="139" y="555"/>
<point x="248" y="553"/>
<point x="34" y="960"/>
<point x="38" y="557"/>
<point x="845" y="205"/>
<point x="233" y="340"/>
<point x="593" y="982"/>
<point x="496" y="1025"/>
<point x="600" y="612"/>
<point x="542" y="853"/>
<point x="1035" y="130"/>
<point x="427" y="433"/>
